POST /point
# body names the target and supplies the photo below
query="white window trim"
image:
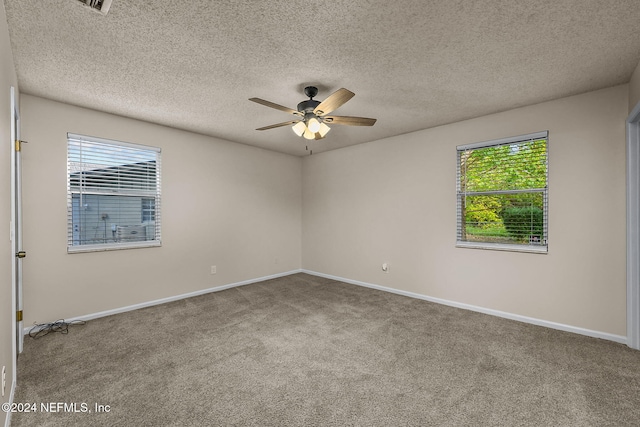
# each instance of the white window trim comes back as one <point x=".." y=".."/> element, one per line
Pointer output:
<point x="538" y="249"/>
<point x="121" y="245"/>
<point x="541" y="249"/>
<point x="113" y="246"/>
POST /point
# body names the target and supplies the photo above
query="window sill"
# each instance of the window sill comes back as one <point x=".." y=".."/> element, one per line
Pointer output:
<point x="113" y="246"/>
<point x="541" y="249"/>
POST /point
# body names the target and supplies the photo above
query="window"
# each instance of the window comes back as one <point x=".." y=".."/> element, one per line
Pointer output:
<point x="502" y="194"/>
<point x="113" y="194"/>
<point x="148" y="209"/>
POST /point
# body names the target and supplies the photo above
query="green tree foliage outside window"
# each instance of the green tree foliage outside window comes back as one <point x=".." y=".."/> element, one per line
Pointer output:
<point x="502" y="193"/>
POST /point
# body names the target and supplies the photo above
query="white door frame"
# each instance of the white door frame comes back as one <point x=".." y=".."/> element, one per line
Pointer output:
<point x="16" y="229"/>
<point x="633" y="228"/>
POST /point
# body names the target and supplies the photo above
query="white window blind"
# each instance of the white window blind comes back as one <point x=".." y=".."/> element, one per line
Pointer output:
<point x="113" y="194"/>
<point x="502" y="194"/>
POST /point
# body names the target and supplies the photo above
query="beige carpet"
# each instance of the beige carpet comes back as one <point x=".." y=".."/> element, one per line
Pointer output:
<point x="307" y="351"/>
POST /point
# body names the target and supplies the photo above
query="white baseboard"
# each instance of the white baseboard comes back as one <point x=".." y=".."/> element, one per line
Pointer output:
<point x="553" y="325"/>
<point x="539" y="322"/>
<point x="105" y="313"/>
<point x="7" y="420"/>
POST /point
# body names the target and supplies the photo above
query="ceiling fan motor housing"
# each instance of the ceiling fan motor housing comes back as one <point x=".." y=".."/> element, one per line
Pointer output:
<point x="308" y="106"/>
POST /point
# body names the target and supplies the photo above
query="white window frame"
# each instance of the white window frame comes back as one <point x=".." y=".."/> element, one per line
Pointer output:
<point x="533" y="248"/>
<point x="72" y="167"/>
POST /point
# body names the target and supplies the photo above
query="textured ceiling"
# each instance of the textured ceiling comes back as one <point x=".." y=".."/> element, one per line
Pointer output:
<point x="413" y="64"/>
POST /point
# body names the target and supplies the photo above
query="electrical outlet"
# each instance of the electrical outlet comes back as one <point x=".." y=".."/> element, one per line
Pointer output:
<point x="213" y="269"/>
<point x="4" y="379"/>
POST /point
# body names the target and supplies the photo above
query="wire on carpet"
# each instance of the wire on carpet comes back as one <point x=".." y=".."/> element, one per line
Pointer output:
<point x="58" y="326"/>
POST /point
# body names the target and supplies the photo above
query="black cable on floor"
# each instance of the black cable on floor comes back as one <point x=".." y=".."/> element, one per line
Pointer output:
<point x="58" y="326"/>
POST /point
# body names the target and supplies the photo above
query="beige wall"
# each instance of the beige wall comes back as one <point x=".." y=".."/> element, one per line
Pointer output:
<point x="634" y="88"/>
<point x="7" y="79"/>
<point x="224" y="204"/>
<point x="394" y="201"/>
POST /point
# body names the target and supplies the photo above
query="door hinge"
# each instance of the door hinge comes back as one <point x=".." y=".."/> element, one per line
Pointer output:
<point x="21" y="254"/>
<point x="19" y="316"/>
<point x="19" y="143"/>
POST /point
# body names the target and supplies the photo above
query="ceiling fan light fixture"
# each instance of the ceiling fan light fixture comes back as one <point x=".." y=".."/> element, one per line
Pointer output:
<point x="313" y="125"/>
<point x="308" y="134"/>
<point x="324" y="129"/>
<point x="299" y="128"/>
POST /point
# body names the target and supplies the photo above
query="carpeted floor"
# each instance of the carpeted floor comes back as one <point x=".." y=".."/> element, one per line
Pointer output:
<point x="307" y="351"/>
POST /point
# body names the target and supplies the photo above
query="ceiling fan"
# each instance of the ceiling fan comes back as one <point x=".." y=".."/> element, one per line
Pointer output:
<point x="312" y="116"/>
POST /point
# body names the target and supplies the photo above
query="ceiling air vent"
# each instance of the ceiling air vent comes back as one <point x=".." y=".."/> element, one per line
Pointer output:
<point x="101" y="6"/>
